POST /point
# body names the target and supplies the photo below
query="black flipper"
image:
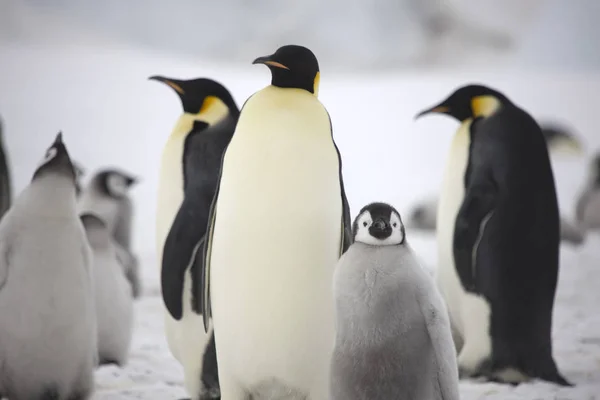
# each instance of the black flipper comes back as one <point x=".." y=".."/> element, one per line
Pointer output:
<point x="181" y="247"/>
<point x="346" y="224"/>
<point x="476" y="210"/>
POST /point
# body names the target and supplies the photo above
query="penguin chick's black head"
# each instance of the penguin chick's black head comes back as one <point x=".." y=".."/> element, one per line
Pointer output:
<point x="378" y="224"/>
<point x="559" y="136"/>
<point x="293" y="67"/>
<point x="469" y="101"/>
<point x="197" y="95"/>
<point x="114" y="183"/>
<point x="56" y="161"/>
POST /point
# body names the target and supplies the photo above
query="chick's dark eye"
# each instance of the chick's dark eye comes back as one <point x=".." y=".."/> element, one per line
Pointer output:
<point x="365" y="223"/>
<point x="394" y="224"/>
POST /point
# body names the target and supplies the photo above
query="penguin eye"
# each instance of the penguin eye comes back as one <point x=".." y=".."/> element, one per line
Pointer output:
<point x="394" y="224"/>
<point x="365" y="223"/>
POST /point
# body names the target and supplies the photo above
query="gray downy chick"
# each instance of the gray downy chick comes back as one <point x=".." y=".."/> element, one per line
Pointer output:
<point x="107" y="196"/>
<point x="113" y="294"/>
<point x="47" y="320"/>
<point x="393" y="337"/>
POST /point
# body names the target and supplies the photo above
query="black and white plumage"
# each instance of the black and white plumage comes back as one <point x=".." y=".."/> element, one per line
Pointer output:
<point x="113" y="294"/>
<point x="393" y="336"/>
<point x="107" y="196"/>
<point x="501" y="279"/>
<point x="48" y="342"/>
<point x="189" y="172"/>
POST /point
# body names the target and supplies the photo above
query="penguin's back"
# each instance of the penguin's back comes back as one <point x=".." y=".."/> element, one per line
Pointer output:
<point x="46" y="302"/>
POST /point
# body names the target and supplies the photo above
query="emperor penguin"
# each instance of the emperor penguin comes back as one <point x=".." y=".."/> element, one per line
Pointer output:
<point x="560" y="141"/>
<point x="107" y="195"/>
<point x="279" y="222"/>
<point x="498" y="236"/>
<point x="48" y="340"/>
<point x="113" y="294"/>
<point x="587" y="208"/>
<point x="389" y="309"/>
<point x="189" y="175"/>
<point x="5" y="179"/>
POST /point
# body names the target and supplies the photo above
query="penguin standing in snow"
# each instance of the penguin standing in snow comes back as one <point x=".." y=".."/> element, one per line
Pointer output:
<point x="189" y="176"/>
<point x="279" y="223"/>
<point x="499" y="239"/>
<point x="107" y="196"/>
<point x="5" y="180"/>
<point x="388" y="309"/>
<point x="113" y="294"/>
<point x="48" y="347"/>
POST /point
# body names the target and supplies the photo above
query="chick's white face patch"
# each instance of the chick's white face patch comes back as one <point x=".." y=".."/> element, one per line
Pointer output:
<point x="365" y="220"/>
<point x="50" y="154"/>
<point x="117" y="185"/>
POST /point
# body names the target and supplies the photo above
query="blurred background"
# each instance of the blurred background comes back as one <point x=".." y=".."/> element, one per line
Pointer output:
<point x="81" y="66"/>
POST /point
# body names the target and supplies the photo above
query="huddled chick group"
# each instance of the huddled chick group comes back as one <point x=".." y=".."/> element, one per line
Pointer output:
<point x="68" y="278"/>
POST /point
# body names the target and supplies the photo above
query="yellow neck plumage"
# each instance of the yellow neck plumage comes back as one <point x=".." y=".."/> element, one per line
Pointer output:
<point x="484" y="106"/>
<point x="212" y="111"/>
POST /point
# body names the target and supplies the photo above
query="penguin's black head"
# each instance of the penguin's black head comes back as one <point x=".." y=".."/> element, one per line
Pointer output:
<point x="197" y="95"/>
<point x="293" y="67"/>
<point x="469" y="101"/>
<point x="114" y="183"/>
<point x="56" y="161"/>
<point x="560" y="140"/>
<point x="378" y="224"/>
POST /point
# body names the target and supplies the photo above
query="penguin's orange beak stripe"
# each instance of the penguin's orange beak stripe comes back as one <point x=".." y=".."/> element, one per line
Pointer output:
<point x="175" y="86"/>
<point x="276" y="64"/>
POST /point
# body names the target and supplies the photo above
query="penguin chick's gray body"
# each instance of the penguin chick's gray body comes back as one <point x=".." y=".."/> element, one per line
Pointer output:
<point x="393" y="333"/>
<point x="47" y="319"/>
<point x="114" y="300"/>
<point x="107" y="196"/>
<point x="5" y="180"/>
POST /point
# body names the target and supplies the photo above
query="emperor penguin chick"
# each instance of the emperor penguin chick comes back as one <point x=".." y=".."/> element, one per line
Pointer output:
<point x="47" y="322"/>
<point x="114" y="300"/>
<point x="107" y="196"/>
<point x="393" y="336"/>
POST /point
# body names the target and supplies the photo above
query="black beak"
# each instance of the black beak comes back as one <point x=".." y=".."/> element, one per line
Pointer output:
<point x="269" y="61"/>
<point x="380" y="229"/>
<point x="175" y="84"/>
<point x="440" y="108"/>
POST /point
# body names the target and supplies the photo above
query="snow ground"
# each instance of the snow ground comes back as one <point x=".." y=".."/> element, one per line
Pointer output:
<point x="110" y="114"/>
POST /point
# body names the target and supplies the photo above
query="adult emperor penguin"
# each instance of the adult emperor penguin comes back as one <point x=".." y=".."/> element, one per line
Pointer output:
<point x="107" y="195"/>
<point x="48" y="347"/>
<point x="189" y="175"/>
<point x="388" y="309"/>
<point x="113" y="294"/>
<point x="5" y="180"/>
<point x="498" y="236"/>
<point x="279" y="222"/>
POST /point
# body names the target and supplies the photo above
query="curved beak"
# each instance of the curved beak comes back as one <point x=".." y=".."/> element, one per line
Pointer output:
<point x="441" y="109"/>
<point x="175" y="84"/>
<point x="268" y="60"/>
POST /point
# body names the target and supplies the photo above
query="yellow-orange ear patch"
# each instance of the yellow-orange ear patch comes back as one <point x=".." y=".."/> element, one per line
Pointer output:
<point x="209" y="101"/>
<point x="316" y="83"/>
<point x="484" y="106"/>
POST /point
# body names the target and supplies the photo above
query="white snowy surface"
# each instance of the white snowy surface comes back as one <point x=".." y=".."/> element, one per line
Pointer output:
<point x="110" y="114"/>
